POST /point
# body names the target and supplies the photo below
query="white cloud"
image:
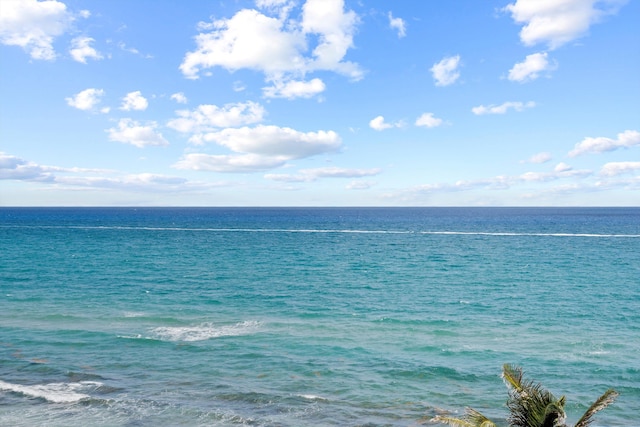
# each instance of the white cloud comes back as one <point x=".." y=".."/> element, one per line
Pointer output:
<point x="81" y="50"/>
<point x="247" y="40"/>
<point x="277" y="46"/>
<point x="276" y="141"/>
<point x="259" y="148"/>
<point x="379" y="124"/>
<point x="502" y="108"/>
<point x="618" y="168"/>
<point x="270" y="4"/>
<point x="562" y="167"/>
<point x="561" y="171"/>
<point x="180" y="98"/>
<point x="134" y="101"/>
<point x="245" y="163"/>
<point x="397" y="24"/>
<point x="428" y="120"/>
<point x="360" y="185"/>
<point x="309" y="175"/>
<point x="539" y="158"/>
<point x="12" y="167"/>
<point x="131" y="132"/>
<point x="210" y="117"/>
<point x="446" y="71"/>
<point x="335" y="28"/>
<point x="558" y="22"/>
<point x="530" y="68"/>
<point x="280" y="7"/>
<point x="626" y="139"/>
<point x="33" y="25"/>
<point x="294" y="89"/>
<point x="86" y="100"/>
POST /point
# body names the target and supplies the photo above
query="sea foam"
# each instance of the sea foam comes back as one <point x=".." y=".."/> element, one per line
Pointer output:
<point x="204" y="331"/>
<point x="53" y="392"/>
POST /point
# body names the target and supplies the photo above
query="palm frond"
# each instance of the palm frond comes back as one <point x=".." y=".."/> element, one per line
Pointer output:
<point x="603" y="401"/>
<point x="478" y="419"/>
<point x="471" y="418"/>
<point x="453" y="422"/>
<point x="512" y="376"/>
<point x="530" y="404"/>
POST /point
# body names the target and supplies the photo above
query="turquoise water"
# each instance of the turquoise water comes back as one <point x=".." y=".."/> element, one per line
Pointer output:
<point x="312" y="317"/>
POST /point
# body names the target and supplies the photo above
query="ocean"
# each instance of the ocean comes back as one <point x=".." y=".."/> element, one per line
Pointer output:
<point x="312" y="316"/>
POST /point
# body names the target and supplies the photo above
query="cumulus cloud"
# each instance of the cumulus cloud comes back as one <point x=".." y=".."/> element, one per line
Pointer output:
<point x="244" y="163"/>
<point x="210" y="117"/>
<point x="309" y="175"/>
<point x="626" y="139"/>
<point x="539" y="158"/>
<point x="260" y="148"/>
<point x="379" y="124"/>
<point x="86" y="100"/>
<point x="428" y="120"/>
<point x="562" y="167"/>
<point x="33" y="25"/>
<point x="502" y="108"/>
<point x="558" y="22"/>
<point x="132" y="132"/>
<point x="562" y="170"/>
<point x="180" y="98"/>
<point x="397" y="24"/>
<point x="276" y="141"/>
<point x="446" y="71"/>
<point x="134" y="101"/>
<point x="618" y="168"/>
<point x="278" y="45"/>
<point x="530" y="68"/>
<point x="15" y="168"/>
<point x="294" y="89"/>
<point x="81" y="50"/>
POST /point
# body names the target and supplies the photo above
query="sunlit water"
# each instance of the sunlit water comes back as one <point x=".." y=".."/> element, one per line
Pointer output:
<point x="312" y="317"/>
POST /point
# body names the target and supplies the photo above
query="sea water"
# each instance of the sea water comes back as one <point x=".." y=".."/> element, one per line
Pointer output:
<point x="312" y="316"/>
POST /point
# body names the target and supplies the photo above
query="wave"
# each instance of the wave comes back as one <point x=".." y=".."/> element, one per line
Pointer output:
<point x="204" y="331"/>
<point x="54" y="392"/>
<point x="328" y="231"/>
<point x="508" y="234"/>
<point x="312" y="397"/>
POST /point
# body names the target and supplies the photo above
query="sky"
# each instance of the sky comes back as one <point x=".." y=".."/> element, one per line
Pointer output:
<point x="319" y="103"/>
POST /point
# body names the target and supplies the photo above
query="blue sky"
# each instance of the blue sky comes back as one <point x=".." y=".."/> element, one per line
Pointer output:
<point x="320" y="103"/>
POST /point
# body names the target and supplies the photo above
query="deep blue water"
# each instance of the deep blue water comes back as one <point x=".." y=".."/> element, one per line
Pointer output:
<point x="312" y="316"/>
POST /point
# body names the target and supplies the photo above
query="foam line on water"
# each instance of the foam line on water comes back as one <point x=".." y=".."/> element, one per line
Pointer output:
<point x="322" y="231"/>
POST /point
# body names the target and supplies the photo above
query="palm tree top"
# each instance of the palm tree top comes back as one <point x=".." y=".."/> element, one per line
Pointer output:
<point x="530" y="405"/>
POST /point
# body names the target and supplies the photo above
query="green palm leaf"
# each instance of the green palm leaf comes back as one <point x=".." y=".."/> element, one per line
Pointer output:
<point x="529" y="403"/>
<point x="603" y="401"/>
<point x="512" y="376"/>
<point x="471" y="418"/>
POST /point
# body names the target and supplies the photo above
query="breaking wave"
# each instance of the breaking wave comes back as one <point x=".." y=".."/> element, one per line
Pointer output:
<point x="54" y="392"/>
<point x="204" y="331"/>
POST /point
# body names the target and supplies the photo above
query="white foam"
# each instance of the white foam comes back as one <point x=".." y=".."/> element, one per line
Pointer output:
<point x="133" y="313"/>
<point x="53" y="392"/>
<point x="204" y="331"/>
<point x="312" y="397"/>
<point x="355" y="231"/>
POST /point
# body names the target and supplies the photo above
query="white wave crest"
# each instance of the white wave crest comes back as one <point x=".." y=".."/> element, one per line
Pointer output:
<point x="312" y="397"/>
<point x="204" y="331"/>
<point x="53" y="392"/>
